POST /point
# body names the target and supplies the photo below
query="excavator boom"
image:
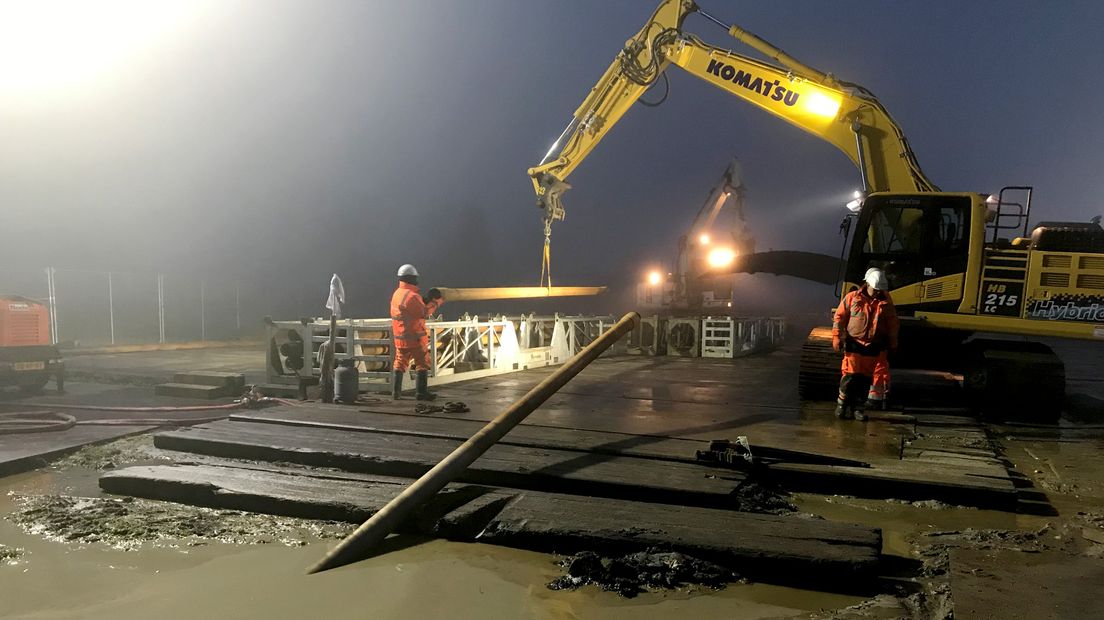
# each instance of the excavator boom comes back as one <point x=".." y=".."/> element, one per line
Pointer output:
<point x="844" y="114"/>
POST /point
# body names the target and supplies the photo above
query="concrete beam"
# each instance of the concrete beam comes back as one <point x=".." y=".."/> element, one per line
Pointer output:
<point x="518" y="292"/>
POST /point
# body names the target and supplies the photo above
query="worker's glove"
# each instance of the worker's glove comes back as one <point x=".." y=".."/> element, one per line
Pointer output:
<point x="837" y="344"/>
<point x="434" y="294"/>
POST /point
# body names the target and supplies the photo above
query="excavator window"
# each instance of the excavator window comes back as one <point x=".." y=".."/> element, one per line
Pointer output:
<point x="912" y="238"/>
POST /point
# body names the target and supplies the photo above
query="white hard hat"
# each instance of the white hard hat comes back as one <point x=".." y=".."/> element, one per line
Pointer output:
<point x="876" y="279"/>
<point x="407" y="270"/>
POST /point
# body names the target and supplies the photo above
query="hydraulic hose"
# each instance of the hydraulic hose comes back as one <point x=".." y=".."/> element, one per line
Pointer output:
<point x="45" y="419"/>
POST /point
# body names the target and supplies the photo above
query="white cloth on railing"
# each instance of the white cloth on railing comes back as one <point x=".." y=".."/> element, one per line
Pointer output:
<point x="337" y="296"/>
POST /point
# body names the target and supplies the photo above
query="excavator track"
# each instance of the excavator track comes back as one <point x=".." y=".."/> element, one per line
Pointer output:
<point x="1014" y="380"/>
<point x="819" y="374"/>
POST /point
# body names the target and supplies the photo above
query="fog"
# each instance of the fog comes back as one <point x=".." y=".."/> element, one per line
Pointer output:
<point x="270" y="143"/>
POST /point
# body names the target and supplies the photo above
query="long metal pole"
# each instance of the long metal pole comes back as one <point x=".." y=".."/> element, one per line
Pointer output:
<point x="202" y="310"/>
<point x="372" y="532"/>
<point x="111" y="306"/>
<point x="237" y="307"/>
<point x="161" y="307"/>
<point x="51" y="292"/>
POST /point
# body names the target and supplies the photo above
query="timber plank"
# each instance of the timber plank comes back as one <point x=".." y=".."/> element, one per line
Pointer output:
<point x="890" y="480"/>
<point x="534" y="436"/>
<point x="502" y="465"/>
<point x="646" y="446"/>
<point x="765" y="547"/>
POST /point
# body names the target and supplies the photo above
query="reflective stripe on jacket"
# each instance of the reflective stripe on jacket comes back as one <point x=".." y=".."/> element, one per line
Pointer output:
<point x="867" y="319"/>
<point x="408" y="317"/>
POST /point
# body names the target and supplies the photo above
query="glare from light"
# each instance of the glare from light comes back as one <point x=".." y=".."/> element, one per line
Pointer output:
<point x="654" y="278"/>
<point x="855" y="205"/>
<point x="822" y="105"/>
<point x="720" y="257"/>
<point x="56" y="44"/>
<point x="857" y="195"/>
<point x="992" y="200"/>
<point x="704" y="239"/>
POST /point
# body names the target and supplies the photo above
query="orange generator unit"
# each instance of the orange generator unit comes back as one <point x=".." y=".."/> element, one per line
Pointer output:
<point x="27" y="357"/>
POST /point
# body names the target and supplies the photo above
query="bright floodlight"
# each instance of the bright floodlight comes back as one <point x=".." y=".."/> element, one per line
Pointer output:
<point x="721" y="257"/>
<point x="822" y="105"/>
<point x="51" y="44"/>
<point x="857" y="195"/>
<point x="703" y="239"/>
<point x="854" y="206"/>
<point x="654" y="278"/>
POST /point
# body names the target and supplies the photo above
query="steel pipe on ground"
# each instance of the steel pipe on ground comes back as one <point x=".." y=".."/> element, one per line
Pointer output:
<point x="518" y="292"/>
<point x="362" y="542"/>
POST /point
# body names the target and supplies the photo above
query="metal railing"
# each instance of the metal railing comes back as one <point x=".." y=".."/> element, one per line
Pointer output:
<point x="730" y="337"/>
<point x="467" y="348"/>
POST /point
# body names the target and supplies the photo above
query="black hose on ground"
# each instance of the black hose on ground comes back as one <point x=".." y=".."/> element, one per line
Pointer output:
<point x="35" y="422"/>
<point x="49" y="420"/>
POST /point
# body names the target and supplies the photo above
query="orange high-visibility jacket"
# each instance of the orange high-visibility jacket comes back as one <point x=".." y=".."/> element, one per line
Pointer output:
<point x="867" y="319"/>
<point x="408" y="317"/>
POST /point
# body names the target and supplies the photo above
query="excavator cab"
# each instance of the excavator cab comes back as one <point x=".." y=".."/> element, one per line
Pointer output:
<point x="915" y="239"/>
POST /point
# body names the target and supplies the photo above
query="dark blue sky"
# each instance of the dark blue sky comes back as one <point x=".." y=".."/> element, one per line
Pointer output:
<point x="278" y="141"/>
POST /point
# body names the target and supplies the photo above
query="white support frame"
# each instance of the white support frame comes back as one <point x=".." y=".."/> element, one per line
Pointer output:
<point x="468" y="348"/>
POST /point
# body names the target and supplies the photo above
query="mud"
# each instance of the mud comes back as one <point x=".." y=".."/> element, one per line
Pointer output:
<point x="633" y="574"/>
<point x="7" y="554"/>
<point x="126" y="451"/>
<point x="752" y="496"/>
<point x="127" y="523"/>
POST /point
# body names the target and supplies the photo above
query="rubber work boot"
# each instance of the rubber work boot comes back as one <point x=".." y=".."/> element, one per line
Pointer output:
<point x="396" y="385"/>
<point x="422" y="385"/>
<point x="860" y="415"/>
<point x="842" y="412"/>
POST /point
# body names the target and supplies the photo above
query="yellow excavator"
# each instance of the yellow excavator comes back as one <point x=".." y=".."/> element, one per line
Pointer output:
<point x="958" y="263"/>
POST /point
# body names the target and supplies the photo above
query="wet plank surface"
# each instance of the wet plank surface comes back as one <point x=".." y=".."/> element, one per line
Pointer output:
<point x="503" y="465"/>
<point x="447" y="427"/>
<point x="764" y="546"/>
<point x="977" y="481"/>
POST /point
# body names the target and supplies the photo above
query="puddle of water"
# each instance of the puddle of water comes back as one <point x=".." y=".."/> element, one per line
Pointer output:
<point x="55" y="580"/>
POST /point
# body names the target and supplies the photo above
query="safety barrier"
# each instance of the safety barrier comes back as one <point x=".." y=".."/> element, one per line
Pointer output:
<point x="716" y="337"/>
<point x="729" y="337"/>
<point x="467" y="348"/>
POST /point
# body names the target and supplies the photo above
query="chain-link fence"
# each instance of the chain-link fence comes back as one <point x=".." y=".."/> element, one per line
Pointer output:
<point x="98" y="307"/>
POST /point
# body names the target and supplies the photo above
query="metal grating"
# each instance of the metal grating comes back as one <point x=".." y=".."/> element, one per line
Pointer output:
<point x="1055" y="261"/>
<point x="1092" y="281"/>
<point x="1049" y="278"/>
<point x="1091" y="262"/>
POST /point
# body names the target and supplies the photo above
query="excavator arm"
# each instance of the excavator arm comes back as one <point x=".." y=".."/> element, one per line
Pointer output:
<point x="844" y="114"/>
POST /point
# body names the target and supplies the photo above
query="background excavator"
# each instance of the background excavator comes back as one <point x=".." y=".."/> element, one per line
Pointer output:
<point x="716" y="239"/>
<point x="958" y="263"/>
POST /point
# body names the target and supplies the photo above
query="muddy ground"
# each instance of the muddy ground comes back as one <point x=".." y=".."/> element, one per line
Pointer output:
<point x="141" y="559"/>
<point x="926" y="538"/>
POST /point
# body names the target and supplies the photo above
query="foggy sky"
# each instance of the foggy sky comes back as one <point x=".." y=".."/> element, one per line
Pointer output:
<point x="276" y="142"/>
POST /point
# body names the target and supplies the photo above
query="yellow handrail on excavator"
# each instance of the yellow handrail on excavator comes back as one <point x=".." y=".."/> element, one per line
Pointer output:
<point x="844" y="114"/>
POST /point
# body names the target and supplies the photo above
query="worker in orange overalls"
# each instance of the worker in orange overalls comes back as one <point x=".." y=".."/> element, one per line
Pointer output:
<point x="865" y="329"/>
<point x="409" y="311"/>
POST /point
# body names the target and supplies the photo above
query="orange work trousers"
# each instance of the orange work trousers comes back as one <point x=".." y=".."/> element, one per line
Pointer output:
<point x="873" y="367"/>
<point x="405" y="355"/>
